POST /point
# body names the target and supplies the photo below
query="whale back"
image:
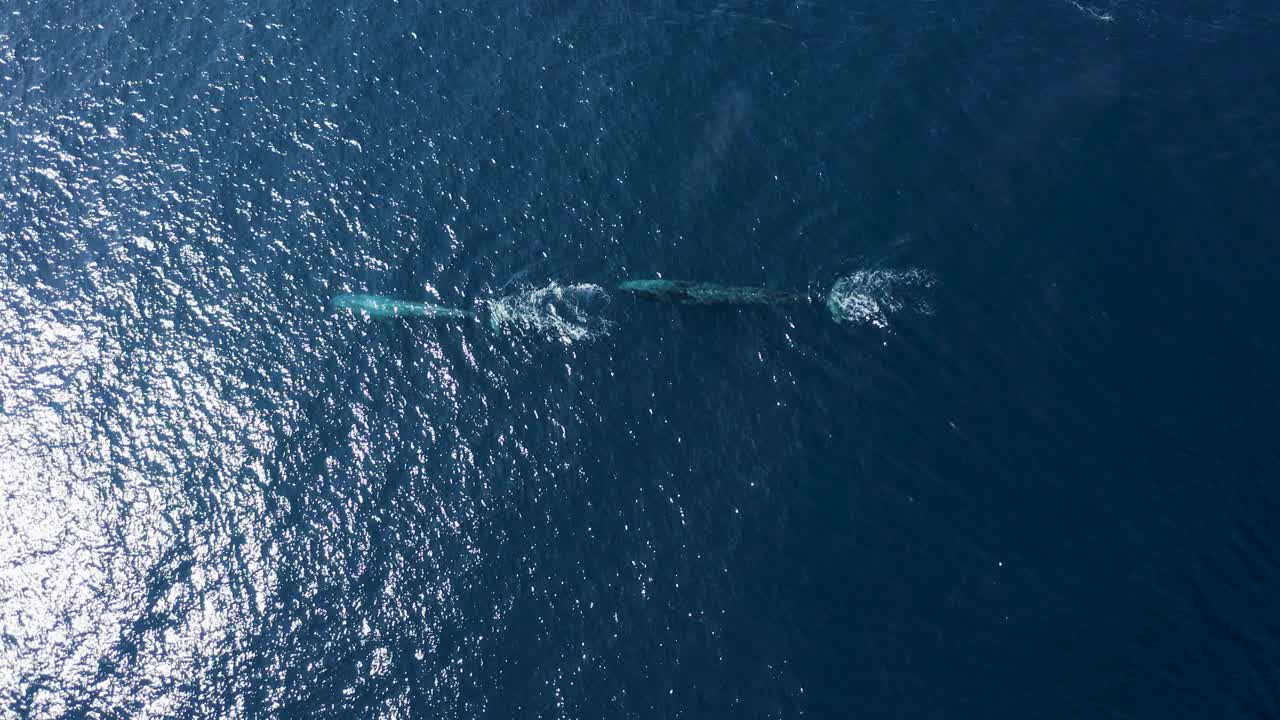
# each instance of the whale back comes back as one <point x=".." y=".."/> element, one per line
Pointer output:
<point x="685" y="292"/>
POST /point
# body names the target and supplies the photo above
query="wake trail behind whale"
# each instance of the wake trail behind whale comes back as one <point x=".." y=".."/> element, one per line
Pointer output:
<point x="568" y="313"/>
<point x="875" y="297"/>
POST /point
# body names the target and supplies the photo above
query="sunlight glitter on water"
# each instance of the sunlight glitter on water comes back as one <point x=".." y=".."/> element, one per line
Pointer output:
<point x="97" y="509"/>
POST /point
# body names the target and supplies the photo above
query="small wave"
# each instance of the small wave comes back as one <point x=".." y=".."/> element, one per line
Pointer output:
<point x="567" y="313"/>
<point x="1093" y="12"/>
<point x="874" y="297"/>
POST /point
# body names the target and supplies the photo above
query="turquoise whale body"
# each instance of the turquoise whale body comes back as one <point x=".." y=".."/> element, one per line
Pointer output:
<point x="380" y="306"/>
<point x="684" y="292"/>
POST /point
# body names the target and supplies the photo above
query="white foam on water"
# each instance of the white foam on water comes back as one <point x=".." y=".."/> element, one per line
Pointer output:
<point x="874" y="297"/>
<point x="1093" y="12"/>
<point x="562" y="312"/>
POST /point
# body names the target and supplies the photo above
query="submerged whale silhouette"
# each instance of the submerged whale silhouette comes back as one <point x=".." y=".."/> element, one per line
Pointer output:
<point x="568" y="312"/>
<point x="384" y="307"/>
<point x="562" y="312"/>
<point x="685" y="292"/>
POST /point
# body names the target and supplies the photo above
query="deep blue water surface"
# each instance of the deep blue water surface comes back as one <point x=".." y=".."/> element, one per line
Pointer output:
<point x="1043" y="486"/>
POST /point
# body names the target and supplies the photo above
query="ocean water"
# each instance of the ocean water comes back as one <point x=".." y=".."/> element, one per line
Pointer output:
<point x="1031" y="471"/>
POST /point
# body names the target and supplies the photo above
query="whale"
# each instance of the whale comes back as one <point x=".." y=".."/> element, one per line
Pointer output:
<point x="569" y="312"/>
<point x="381" y="306"/>
<point x="687" y="292"/>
